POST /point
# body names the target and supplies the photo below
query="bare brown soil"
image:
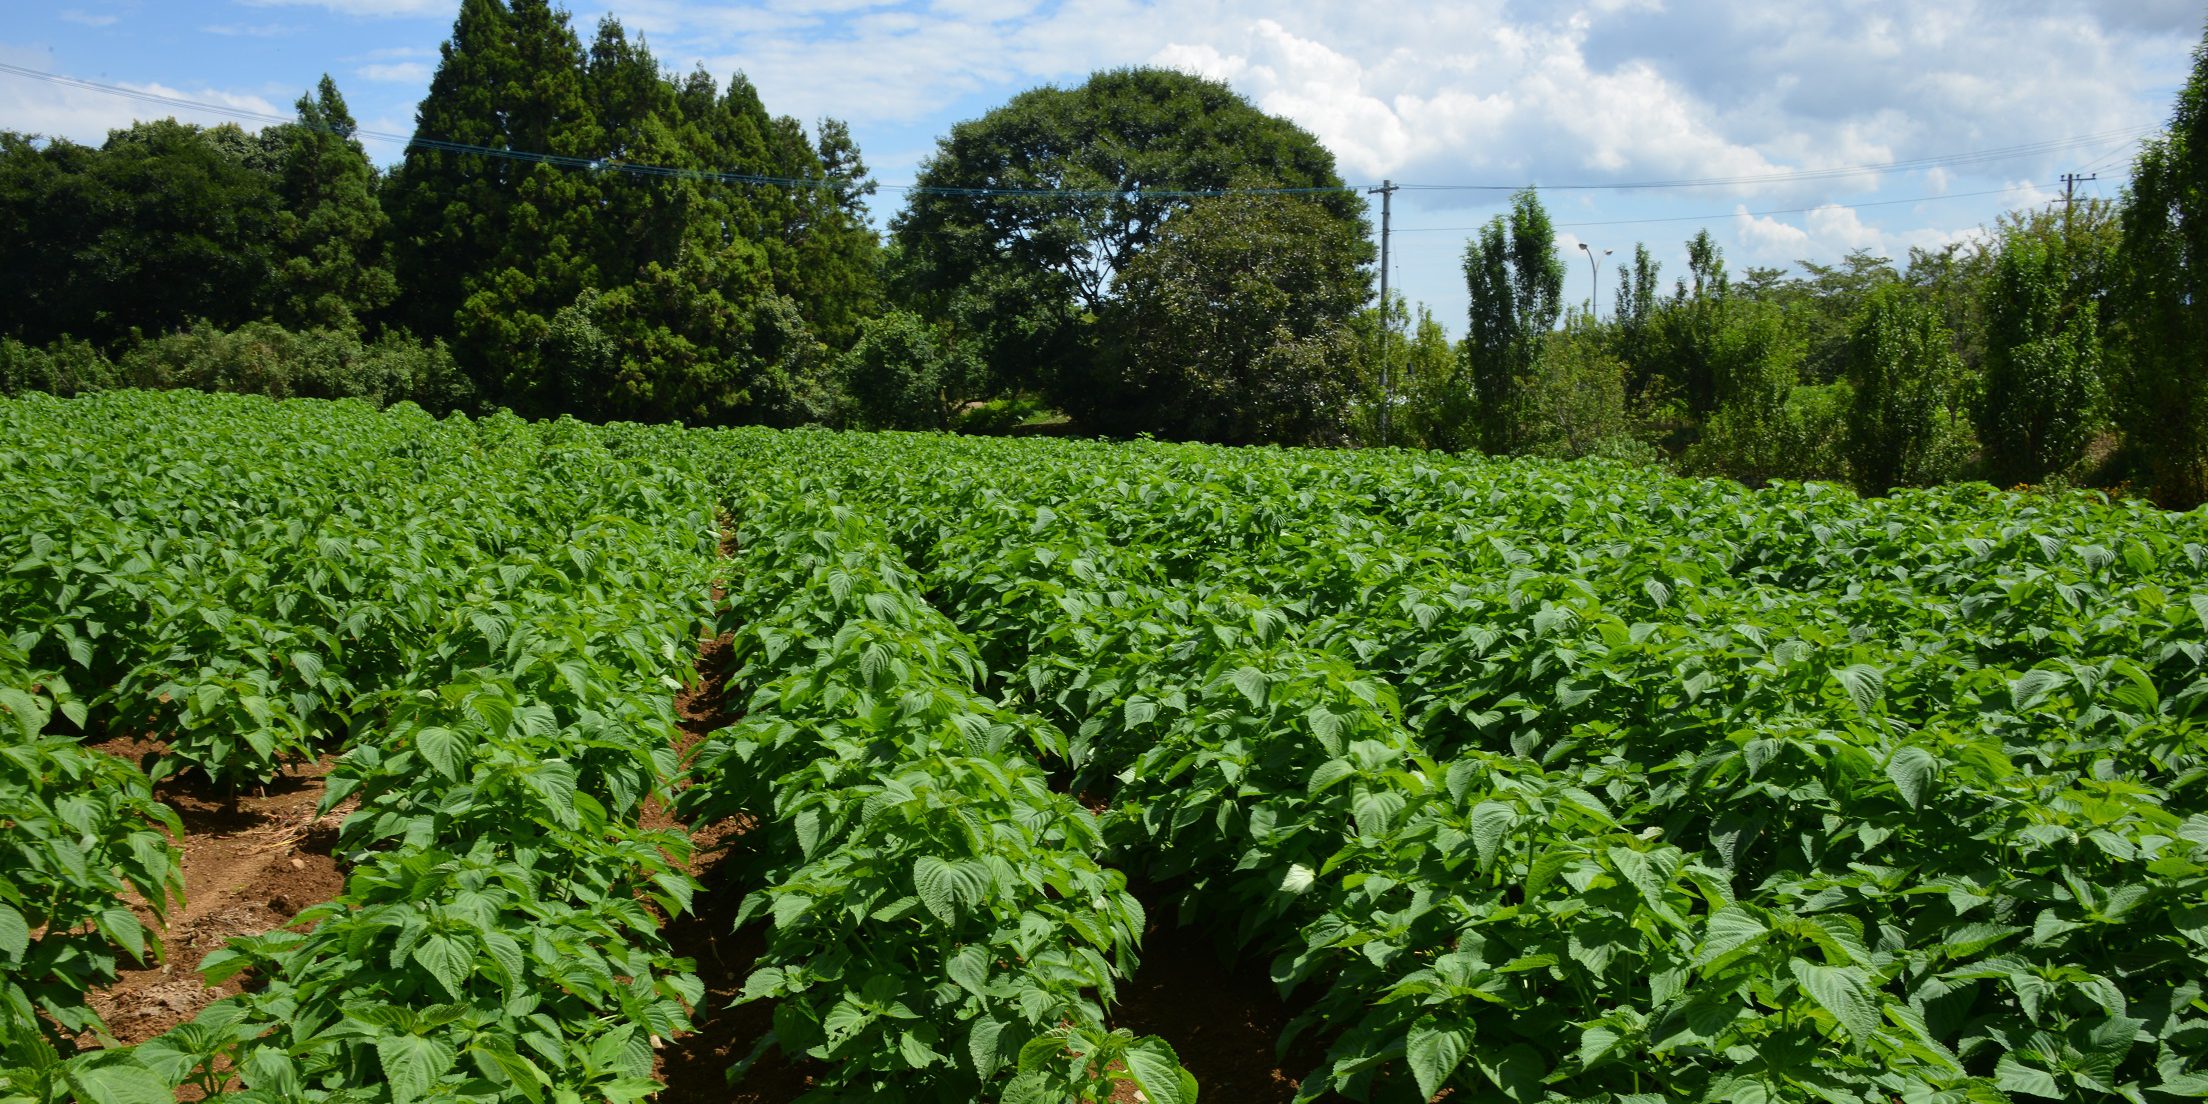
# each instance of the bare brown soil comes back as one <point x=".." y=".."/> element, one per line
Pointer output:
<point x="1223" y="1018"/>
<point x="695" y="1066"/>
<point x="251" y="862"/>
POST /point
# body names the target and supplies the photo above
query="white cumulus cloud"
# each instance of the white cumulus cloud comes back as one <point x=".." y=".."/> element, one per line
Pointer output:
<point x="83" y="115"/>
<point x="408" y="72"/>
<point x="441" y="8"/>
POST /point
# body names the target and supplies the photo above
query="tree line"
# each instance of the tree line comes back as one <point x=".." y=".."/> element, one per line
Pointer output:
<point x="578" y="231"/>
<point x="708" y="262"/>
<point x="2063" y="346"/>
<point x="2017" y="357"/>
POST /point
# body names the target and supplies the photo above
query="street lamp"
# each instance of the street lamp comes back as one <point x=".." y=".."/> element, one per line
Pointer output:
<point x="1594" y="269"/>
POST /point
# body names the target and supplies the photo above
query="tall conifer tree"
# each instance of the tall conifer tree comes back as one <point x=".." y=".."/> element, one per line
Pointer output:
<point x="490" y="247"/>
<point x="2161" y="382"/>
<point x="1516" y="285"/>
<point x="332" y="266"/>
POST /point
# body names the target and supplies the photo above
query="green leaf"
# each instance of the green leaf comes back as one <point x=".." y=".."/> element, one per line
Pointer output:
<point x="15" y="933"/>
<point x="1435" y="1050"/>
<point x="1728" y="930"/>
<point x="1375" y="810"/>
<point x="625" y="1089"/>
<point x="496" y="713"/>
<point x="1491" y="822"/>
<point x="1741" y="1090"/>
<point x="808" y="827"/>
<point x="122" y="927"/>
<point x="2185" y="1084"/>
<point x="1865" y="685"/>
<point x="1329" y="773"/>
<point x="1845" y="992"/>
<point x="115" y="1079"/>
<point x="441" y="746"/>
<point x="2033" y="686"/>
<point x="269" y="1070"/>
<point x="916" y="1053"/>
<point x="1139" y="711"/>
<point x="1252" y="683"/>
<point x="2010" y="1075"/>
<point x="1517" y="1070"/>
<point x="1157" y="1072"/>
<point x="982" y="1046"/>
<point x="845" y="1020"/>
<point x="1595" y="1044"/>
<point x="946" y="887"/>
<point x="873" y="664"/>
<point x="448" y="960"/>
<point x="1640" y="873"/>
<point x="763" y="982"/>
<point x="412" y="1065"/>
<point x="970" y="969"/>
<point x="1911" y="769"/>
<point x="1326" y="726"/>
<point x="553" y="781"/>
<point x="1030" y="1087"/>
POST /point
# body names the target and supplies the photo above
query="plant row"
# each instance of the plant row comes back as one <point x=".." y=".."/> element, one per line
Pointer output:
<point x="1243" y="764"/>
<point x="498" y="934"/>
<point x="497" y="937"/>
<point x="939" y="927"/>
<point x="494" y="939"/>
<point x="78" y="830"/>
<point x="234" y="574"/>
<point x="1627" y="803"/>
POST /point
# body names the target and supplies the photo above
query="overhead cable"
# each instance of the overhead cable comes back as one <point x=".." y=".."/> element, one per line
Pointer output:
<point x="1736" y="214"/>
<point x="1128" y="193"/>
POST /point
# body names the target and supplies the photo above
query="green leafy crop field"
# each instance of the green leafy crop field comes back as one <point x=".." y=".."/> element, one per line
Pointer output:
<point x="1523" y="781"/>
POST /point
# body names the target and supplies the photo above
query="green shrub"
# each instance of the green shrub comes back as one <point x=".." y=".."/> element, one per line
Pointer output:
<point x="997" y="417"/>
<point x="1905" y="425"/>
<point x="903" y="373"/>
<point x="67" y="367"/>
<point x="1804" y="438"/>
<point x="1813" y="433"/>
<point x="1575" y="396"/>
<point x="1625" y="448"/>
<point x="262" y="358"/>
<point x="1762" y="422"/>
<point x="2043" y="398"/>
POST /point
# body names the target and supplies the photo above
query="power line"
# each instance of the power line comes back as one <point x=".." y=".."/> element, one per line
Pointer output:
<point x="714" y="176"/>
<point x="242" y="114"/>
<point x="568" y="161"/>
<point x="2005" y="153"/>
<point x="2108" y="158"/>
<point x="1387" y="192"/>
<point x="1732" y="214"/>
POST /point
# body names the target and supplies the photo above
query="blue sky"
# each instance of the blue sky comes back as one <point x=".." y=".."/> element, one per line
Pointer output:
<point x="1598" y="93"/>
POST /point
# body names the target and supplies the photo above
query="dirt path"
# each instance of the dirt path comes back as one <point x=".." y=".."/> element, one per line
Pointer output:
<point x="1222" y="1018"/>
<point x="695" y="1066"/>
<point x="251" y="863"/>
<point x="1223" y="1021"/>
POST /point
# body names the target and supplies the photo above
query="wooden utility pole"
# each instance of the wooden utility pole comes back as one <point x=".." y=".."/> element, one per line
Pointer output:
<point x="1387" y="190"/>
<point x="2070" y="182"/>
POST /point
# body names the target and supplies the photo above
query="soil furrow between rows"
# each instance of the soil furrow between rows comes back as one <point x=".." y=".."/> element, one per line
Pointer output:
<point x="251" y="860"/>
